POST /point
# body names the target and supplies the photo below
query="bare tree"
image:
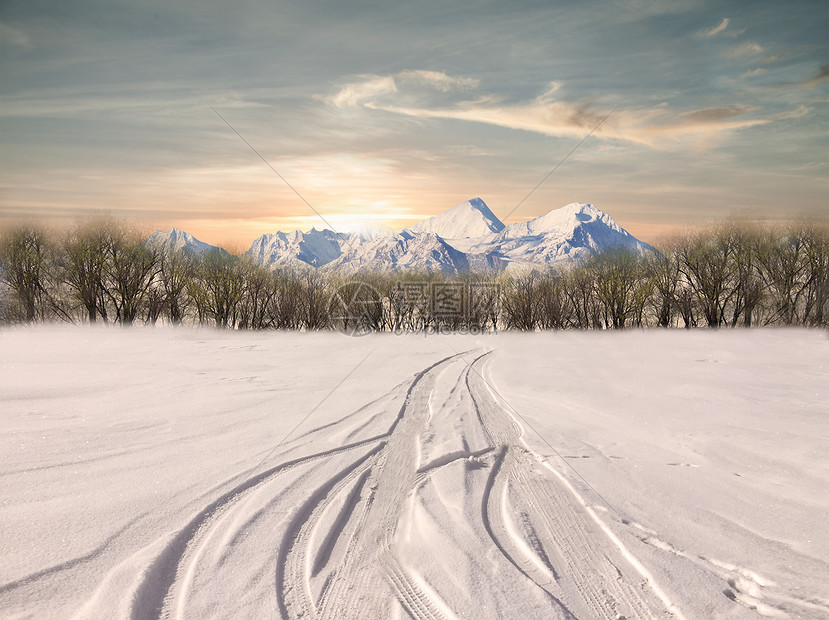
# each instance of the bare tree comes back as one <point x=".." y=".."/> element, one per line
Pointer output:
<point x="314" y="295"/>
<point x="664" y="271"/>
<point x="622" y="288"/>
<point x="23" y="267"/>
<point x="707" y="264"/>
<point x="355" y="304"/>
<point x="746" y="287"/>
<point x="217" y="287"/>
<point x="730" y="274"/>
<point x="686" y="304"/>
<point x="816" y="303"/>
<point x="483" y="302"/>
<point x="520" y="301"/>
<point x="782" y="265"/>
<point x="82" y="260"/>
<point x="175" y="273"/>
<point x="128" y="272"/>
<point x="269" y="300"/>
<point x="555" y="309"/>
<point x="579" y="286"/>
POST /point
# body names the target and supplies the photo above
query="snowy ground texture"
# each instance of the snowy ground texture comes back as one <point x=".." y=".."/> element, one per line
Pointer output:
<point x="676" y="475"/>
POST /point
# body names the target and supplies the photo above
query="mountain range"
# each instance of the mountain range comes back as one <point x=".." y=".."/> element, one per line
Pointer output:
<point x="466" y="237"/>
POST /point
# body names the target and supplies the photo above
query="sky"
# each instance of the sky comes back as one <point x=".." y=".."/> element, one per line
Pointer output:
<point x="384" y="113"/>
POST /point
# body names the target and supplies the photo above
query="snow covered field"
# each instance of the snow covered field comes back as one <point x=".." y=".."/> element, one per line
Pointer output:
<point x="146" y="473"/>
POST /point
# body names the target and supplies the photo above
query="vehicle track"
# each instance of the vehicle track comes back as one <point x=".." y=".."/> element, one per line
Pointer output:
<point x="341" y="551"/>
<point x="154" y="595"/>
<point x="560" y="541"/>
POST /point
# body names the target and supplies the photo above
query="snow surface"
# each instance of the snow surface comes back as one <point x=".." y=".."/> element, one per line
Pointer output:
<point x="147" y="472"/>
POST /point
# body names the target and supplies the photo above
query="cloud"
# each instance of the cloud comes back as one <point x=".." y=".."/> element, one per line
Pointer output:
<point x="439" y="80"/>
<point x="372" y="86"/>
<point x="714" y="115"/>
<point x="799" y="112"/>
<point x="703" y="126"/>
<point x="357" y="92"/>
<point x="822" y="74"/>
<point x="11" y="37"/>
<point x="712" y="32"/>
<point x="749" y="48"/>
<point x="754" y="72"/>
<point x="544" y="115"/>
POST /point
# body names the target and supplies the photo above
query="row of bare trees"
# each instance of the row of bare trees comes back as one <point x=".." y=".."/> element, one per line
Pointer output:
<point x="106" y="272"/>
<point x="732" y="274"/>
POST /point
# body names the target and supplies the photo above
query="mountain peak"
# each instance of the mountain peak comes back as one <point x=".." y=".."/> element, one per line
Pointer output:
<point x="177" y="239"/>
<point x="563" y="221"/>
<point x="472" y="218"/>
<point x="466" y="237"/>
<point x="572" y="233"/>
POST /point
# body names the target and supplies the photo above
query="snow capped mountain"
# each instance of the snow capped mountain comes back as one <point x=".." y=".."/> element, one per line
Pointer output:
<point x="468" y="219"/>
<point x="466" y="237"/>
<point x="406" y="250"/>
<point x="572" y="233"/>
<point x="315" y="248"/>
<point x="179" y="240"/>
<point x="561" y="221"/>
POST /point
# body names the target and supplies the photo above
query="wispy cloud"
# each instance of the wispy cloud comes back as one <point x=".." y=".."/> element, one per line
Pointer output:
<point x="745" y="50"/>
<point x="712" y="32"/>
<point x="439" y="80"/>
<point x="822" y="74"/>
<point x="714" y="115"/>
<point x="755" y="72"/>
<point x="12" y="37"/>
<point x="799" y="112"/>
<point x="549" y="116"/>
<point x="420" y="108"/>
<point x="369" y="87"/>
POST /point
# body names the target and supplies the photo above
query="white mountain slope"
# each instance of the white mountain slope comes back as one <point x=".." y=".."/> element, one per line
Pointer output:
<point x="466" y="237"/>
<point x="572" y="233"/>
<point x="177" y="239"/>
<point x="315" y="248"/>
<point x="468" y="219"/>
<point x="407" y="251"/>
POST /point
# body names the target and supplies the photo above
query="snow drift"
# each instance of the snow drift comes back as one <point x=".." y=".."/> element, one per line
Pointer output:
<point x="193" y="473"/>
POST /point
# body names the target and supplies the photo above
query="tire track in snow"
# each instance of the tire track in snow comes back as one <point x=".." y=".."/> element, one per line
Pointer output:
<point x="295" y="566"/>
<point x="576" y="541"/>
<point x="339" y="547"/>
<point x="390" y="476"/>
<point x="163" y="588"/>
<point x="413" y="597"/>
<point x="393" y="479"/>
<point x="493" y="513"/>
<point x="160" y="578"/>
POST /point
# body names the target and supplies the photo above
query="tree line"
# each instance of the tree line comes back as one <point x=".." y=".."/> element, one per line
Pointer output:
<point x="727" y="275"/>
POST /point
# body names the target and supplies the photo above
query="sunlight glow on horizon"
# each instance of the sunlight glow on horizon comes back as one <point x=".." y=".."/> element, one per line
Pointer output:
<point x="107" y="111"/>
